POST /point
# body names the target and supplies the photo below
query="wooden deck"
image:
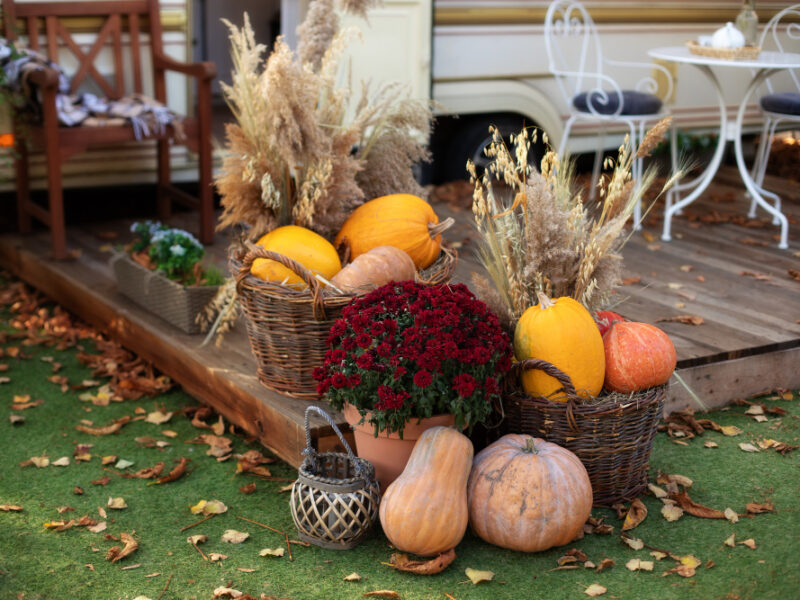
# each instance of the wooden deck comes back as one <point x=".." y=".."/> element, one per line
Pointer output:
<point x="749" y="340"/>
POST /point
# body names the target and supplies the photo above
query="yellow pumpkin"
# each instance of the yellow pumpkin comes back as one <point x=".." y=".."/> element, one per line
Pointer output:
<point x="424" y="511"/>
<point x="563" y="333"/>
<point x="400" y="220"/>
<point x="310" y="249"/>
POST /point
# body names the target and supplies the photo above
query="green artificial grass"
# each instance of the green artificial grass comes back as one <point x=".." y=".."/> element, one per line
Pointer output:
<point x="36" y="563"/>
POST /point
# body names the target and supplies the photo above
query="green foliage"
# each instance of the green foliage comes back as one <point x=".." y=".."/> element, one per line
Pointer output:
<point x="174" y="252"/>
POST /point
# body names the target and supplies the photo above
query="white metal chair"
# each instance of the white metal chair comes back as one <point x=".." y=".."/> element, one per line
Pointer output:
<point x="778" y="107"/>
<point x="576" y="60"/>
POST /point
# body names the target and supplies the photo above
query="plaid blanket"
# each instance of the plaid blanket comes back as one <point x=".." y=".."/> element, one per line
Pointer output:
<point x="145" y="115"/>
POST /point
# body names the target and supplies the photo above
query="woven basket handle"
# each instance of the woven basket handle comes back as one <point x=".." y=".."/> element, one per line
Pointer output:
<point x="254" y="252"/>
<point x="563" y="379"/>
<point x="311" y="453"/>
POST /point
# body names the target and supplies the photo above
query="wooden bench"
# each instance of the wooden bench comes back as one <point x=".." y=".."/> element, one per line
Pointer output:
<point x="59" y="143"/>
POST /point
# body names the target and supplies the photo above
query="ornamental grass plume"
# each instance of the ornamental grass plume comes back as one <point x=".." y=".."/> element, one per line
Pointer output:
<point x="537" y="235"/>
<point x="408" y="351"/>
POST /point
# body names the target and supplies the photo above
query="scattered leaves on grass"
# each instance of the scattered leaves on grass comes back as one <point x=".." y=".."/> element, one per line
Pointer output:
<point x="781" y="447"/>
<point x="353" y="577"/>
<point x="595" y="590"/>
<point x="216" y="556"/>
<point x="606" y="563"/>
<point x="249" y="488"/>
<point x="39" y="462"/>
<point x="176" y="473"/>
<point x="98" y="527"/>
<point x="251" y="461"/>
<point x="401" y="562"/>
<point x="476" y="576"/>
<point x="226" y="592"/>
<point x="749" y="542"/>
<point x="636" y="514"/>
<point x="636" y="564"/>
<point x="731" y="515"/>
<point x="731" y="430"/>
<point x="116" y="503"/>
<point x="169" y="433"/>
<point x="671" y="512"/>
<point x="272" y="551"/>
<point x="123" y="464"/>
<point x="158" y="417"/>
<point x="693" y="508"/>
<point x="10" y="508"/>
<point x="114" y="427"/>
<point x="24" y="403"/>
<point x="204" y="412"/>
<point x="755" y="508"/>
<point x="730" y="540"/>
<point x="84" y="521"/>
<point x="673" y="478"/>
<point x="232" y="536"/>
<point x="711" y="444"/>
<point x="147" y="472"/>
<point x="633" y="543"/>
<point x="658" y="555"/>
<point x="390" y="594"/>
<point x="685" y="319"/>
<point x="61" y="462"/>
<point x="197" y="539"/>
<point x="210" y="507"/>
<point x="16" y="419"/>
<point x="102" y="481"/>
<point x="748" y="447"/>
<point x="219" y="447"/>
<point x="657" y="491"/>
<point x="596" y="526"/>
<point x="115" y="553"/>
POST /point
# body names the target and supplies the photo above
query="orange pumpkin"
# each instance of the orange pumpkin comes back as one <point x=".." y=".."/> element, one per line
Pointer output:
<point x="527" y="494"/>
<point x="400" y="220"/>
<point x="563" y="333"/>
<point x="424" y="511"/>
<point x="375" y="268"/>
<point x="638" y="356"/>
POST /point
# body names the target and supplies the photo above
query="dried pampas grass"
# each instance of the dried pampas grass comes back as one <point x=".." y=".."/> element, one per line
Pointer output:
<point x="536" y="233"/>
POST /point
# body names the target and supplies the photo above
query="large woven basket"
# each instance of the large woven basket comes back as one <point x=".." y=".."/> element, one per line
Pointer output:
<point x="335" y="499"/>
<point x="177" y="304"/>
<point x="288" y="328"/>
<point x="613" y="439"/>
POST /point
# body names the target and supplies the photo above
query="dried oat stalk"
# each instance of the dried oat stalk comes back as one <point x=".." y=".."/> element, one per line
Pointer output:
<point x="537" y="234"/>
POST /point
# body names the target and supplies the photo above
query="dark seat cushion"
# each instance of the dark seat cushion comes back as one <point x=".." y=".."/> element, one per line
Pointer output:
<point x="786" y="103"/>
<point x="633" y="103"/>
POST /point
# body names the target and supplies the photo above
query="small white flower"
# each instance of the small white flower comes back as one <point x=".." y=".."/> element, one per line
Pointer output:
<point x="177" y="250"/>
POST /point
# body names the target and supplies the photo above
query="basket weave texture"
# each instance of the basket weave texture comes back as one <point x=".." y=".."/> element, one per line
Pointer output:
<point x="745" y="52"/>
<point x="335" y="499"/>
<point x="173" y="302"/>
<point x="288" y="328"/>
<point x="612" y="439"/>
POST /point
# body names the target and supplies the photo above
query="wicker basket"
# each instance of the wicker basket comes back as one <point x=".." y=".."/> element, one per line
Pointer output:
<point x="173" y="302"/>
<point x="288" y="328"/>
<point x="336" y="496"/>
<point x="612" y="439"/>
<point x="745" y="52"/>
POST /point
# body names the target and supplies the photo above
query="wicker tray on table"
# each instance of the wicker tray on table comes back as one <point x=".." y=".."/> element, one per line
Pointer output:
<point x="612" y="436"/>
<point x="288" y="327"/>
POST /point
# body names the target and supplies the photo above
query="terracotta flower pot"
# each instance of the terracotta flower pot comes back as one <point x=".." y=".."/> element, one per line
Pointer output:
<point x="388" y="453"/>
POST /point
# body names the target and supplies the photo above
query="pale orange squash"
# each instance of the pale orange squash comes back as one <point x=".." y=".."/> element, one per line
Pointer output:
<point x="424" y="511"/>
<point x="375" y="268"/>
<point x="310" y="249"/>
<point x="527" y="494"/>
<point x="638" y="356"/>
<point x="563" y="333"/>
<point x="400" y="220"/>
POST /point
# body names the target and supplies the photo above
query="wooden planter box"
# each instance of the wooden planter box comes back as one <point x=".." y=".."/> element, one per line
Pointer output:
<point x="175" y="303"/>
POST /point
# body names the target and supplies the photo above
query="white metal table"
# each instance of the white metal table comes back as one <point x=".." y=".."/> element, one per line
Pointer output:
<point x="767" y="64"/>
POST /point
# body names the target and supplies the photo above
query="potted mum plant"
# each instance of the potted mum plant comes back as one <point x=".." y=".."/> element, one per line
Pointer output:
<point x="406" y="357"/>
<point x="161" y="270"/>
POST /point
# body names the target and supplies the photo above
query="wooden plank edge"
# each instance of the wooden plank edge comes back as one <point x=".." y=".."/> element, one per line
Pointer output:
<point x="277" y="432"/>
<point x="717" y="384"/>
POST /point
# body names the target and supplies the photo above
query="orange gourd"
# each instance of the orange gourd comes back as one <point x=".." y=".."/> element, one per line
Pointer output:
<point x="638" y="356"/>
<point x="563" y="333"/>
<point x="424" y="511"/>
<point x="400" y="220"/>
<point x="375" y="268"/>
<point x="310" y="249"/>
<point x="527" y="494"/>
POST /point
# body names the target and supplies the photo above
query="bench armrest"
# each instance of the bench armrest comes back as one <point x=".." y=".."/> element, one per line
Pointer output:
<point x="200" y="70"/>
<point x="44" y="78"/>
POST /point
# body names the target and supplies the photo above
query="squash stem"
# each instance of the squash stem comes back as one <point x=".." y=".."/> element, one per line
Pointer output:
<point x="544" y="301"/>
<point x="435" y="229"/>
<point x="530" y="447"/>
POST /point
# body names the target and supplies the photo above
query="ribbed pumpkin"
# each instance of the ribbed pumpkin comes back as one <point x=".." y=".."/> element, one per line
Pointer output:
<point x="375" y="268"/>
<point x="310" y="249"/>
<point x="527" y="494"/>
<point x="563" y="333"/>
<point x="400" y="220"/>
<point x="424" y="511"/>
<point x="638" y="356"/>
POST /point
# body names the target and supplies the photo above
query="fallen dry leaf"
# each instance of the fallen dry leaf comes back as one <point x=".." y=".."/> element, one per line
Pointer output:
<point x="216" y="556"/>
<point x="755" y="508"/>
<point x="695" y="509"/>
<point x="731" y="540"/>
<point x="476" y="576"/>
<point x="280" y="551"/>
<point x="116" y="553"/>
<point x="147" y="472"/>
<point x="756" y="276"/>
<point x="123" y="464"/>
<point x="197" y="539"/>
<point x="211" y="507"/>
<point x="671" y="512"/>
<point x="731" y="515"/>
<point x="232" y="536"/>
<point x="101" y="526"/>
<point x="114" y="427"/>
<point x="61" y="462"/>
<point x="657" y="491"/>
<point x="116" y="503"/>
<point x="157" y="417"/>
<point x="606" y="563"/>
<point x="16" y="419"/>
<point x="749" y="542"/>
<point x="39" y="462"/>
<point x="102" y="481"/>
<point x="747" y="447"/>
<point x="401" y="562"/>
<point x="658" y="555"/>
<point x="226" y="592"/>
<point x="26" y="405"/>
<point x="595" y="590"/>
<point x="102" y="512"/>
<point x="353" y="577"/>
<point x="730" y="430"/>
<point x="176" y="473"/>
<point x="391" y="594"/>
<point x="169" y="433"/>
<point x="633" y="543"/>
<point x="10" y="508"/>
<point x="636" y="564"/>
<point x="249" y="488"/>
<point x="636" y="514"/>
<point x="710" y="444"/>
<point x="685" y="319"/>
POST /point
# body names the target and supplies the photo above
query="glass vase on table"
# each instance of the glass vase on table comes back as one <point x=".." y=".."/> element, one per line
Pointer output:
<point x="747" y="22"/>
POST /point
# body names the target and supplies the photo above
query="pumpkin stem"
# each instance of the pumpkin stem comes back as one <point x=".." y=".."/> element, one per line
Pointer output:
<point x="544" y="301"/>
<point x="435" y="229"/>
<point x="530" y="447"/>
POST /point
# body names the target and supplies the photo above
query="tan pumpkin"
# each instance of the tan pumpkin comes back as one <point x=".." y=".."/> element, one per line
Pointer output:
<point x="563" y="333"/>
<point x="400" y="220"/>
<point x="638" y="356"/>
<point x="527" y="494"/>
<point x="310" y="249"/>
<point x="375" y="268"/>
<point x="424" y="511"/>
